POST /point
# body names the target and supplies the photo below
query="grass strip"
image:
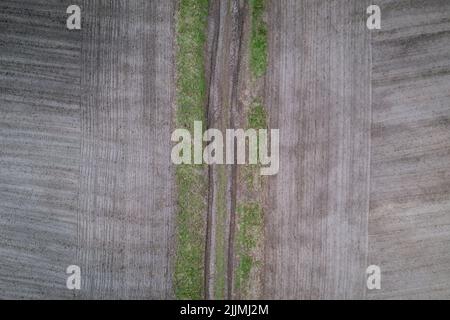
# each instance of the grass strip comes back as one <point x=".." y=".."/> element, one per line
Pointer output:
<point x="191" y="179"/>
<point x="250" y="215"/>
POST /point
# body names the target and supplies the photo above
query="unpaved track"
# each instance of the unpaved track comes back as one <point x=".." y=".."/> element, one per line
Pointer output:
<point x="318" y="96"/>
<point x="222" y="62"/>
<point x="85" y="174"/>
<point x="409" y="229"/>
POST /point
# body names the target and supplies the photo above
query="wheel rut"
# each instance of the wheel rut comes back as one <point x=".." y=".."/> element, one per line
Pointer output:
<point x="223" y="52"/>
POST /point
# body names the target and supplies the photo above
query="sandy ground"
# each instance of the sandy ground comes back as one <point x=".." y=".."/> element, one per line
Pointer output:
<point x="85" y="175"/>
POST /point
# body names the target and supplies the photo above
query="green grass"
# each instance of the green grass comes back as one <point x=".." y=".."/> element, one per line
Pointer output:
<point x="220" y="234"/>
<point x="191" y="179"/>
<point x="249" y="212"/>
<point x="250" y="217"/>
<point x="258" y="40"/>
<point x="257" y="117"/>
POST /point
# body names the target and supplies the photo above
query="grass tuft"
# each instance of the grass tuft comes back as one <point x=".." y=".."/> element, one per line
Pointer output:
<point x="257" y="117"/>
<point x="220" y="234"/>
<point x="258" y="40"/>
<point x="250" y="217"/>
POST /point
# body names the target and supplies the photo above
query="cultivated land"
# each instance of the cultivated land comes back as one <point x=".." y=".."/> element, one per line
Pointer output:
<point x="319" y="98"/>
<point x="85" y="171"/>
<point x="364" y="118"/>
<point x="85" y="176"/>
<point x="40" y="123"/>
<point x="126" y="202"/>
<point x="409" y="220"/>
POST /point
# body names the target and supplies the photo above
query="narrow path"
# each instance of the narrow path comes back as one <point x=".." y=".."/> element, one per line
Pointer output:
<point x="223" y="50"/>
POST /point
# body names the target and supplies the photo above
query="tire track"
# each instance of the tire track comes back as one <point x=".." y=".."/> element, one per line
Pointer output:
<point x="223" y="51"/>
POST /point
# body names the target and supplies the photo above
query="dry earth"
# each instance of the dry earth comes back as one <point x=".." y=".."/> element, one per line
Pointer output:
<point x="359" y="110"/>
<point x="85" y="174"/>
<point x="409" y="220"/>
<point x="319" y="98"/>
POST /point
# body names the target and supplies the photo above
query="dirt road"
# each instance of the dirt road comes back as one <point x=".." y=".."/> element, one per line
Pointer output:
<point x="223" y="62"/>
